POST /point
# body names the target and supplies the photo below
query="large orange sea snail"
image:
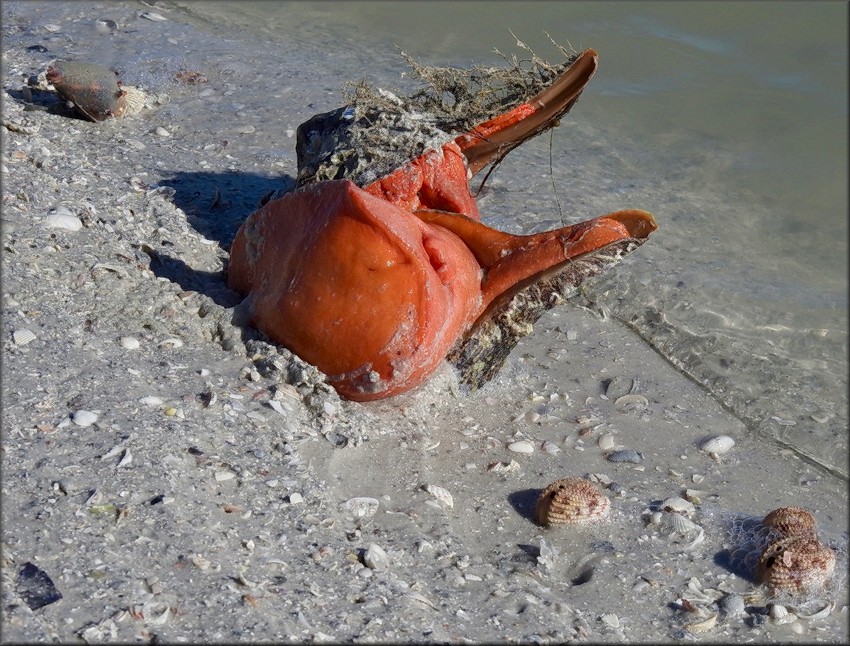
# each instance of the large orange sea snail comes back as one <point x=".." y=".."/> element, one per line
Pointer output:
<point x="374" y="285"/>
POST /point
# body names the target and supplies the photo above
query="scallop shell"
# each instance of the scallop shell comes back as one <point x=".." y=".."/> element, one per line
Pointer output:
<point x="795" y="565"/>
<point x="790" y="521"/>
<point x="571" y="500"/>
<point x="718" y="444"/>
<point x="679" y="505"/>
<point x="23" y="336"/>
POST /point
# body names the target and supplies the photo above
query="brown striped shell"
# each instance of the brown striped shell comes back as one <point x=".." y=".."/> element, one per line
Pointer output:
<point x="795" y="564"/>
<point x="571" y="500"/>
<point x="790" y="521"/>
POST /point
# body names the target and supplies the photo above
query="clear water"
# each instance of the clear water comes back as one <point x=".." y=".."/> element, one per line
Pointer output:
<point x="727" y="120"/>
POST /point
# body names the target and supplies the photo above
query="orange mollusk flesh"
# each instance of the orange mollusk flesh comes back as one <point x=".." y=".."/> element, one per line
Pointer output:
<point x="375" y="285"/>
<point x="373" y="295"/>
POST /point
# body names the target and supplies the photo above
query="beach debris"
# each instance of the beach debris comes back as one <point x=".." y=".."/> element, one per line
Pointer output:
<point x="35" y="587"/>
<point x="427" y="281"/>
<point x="571" y="500"/>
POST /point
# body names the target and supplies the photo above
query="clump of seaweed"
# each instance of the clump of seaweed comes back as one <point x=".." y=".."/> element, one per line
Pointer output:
<point x="380" y="130"/>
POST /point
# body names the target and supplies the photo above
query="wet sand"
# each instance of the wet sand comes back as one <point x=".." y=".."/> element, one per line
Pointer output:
<point x="222" y="492"/>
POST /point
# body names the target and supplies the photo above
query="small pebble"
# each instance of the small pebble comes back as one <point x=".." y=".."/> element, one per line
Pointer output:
<point x="162" y="132"/>
<point x="84" y="417"/>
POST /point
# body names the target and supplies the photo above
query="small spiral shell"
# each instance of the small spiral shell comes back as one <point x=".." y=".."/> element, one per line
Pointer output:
<point x="571" y="500"/>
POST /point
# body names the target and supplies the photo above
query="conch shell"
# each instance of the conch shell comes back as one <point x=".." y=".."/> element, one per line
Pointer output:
<point x="375" y="277"/>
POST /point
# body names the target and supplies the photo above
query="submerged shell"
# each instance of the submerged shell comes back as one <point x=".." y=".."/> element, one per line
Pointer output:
<point x="571" y="500"/>
<point x="790" y="521"/>
<point x="795" y="565"/>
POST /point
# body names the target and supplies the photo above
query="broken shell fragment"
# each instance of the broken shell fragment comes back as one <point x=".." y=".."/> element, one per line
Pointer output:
<point x="571" y="500"/>
<point x="440" y="494"/>
<point x="426" y="280"/>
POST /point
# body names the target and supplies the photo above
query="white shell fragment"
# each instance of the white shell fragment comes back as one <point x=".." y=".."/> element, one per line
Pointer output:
<point x="84" y="417"/>
<point x="63" y="220"/>
<point x="23" y="336"/>
<point x="362" y="506"/>
<point x="375" y="558"/>
<point x="129" y="342"/>
<point x="440" y="494"/>
<point x="606" y="442"/>
<point x="718" y="444"/>
<point x="521" y="446"/>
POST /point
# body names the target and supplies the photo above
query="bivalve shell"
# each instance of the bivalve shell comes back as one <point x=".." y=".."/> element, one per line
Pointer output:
<point x="521" y="446"/>
<point x="625" y="455"/>
<point x="23" y="336"/>
<point x="571" y="500"/>
<point x="84" y="417"/>
<point x="718" y="444"/>
<point x="66" y="221"/>
<point x="790" y="521"/>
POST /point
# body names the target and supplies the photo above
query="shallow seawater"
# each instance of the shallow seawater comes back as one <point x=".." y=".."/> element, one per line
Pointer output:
<point x="728" y="121"/>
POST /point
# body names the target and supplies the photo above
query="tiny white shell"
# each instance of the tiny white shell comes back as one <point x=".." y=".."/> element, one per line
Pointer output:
<point x="66" y="221"/>
<point x="23" y="336"/>
<point x="440" y="494"/>
<point x="550" y="447"/>
<point x="84" y="417"/>
<point x="129" y="342"/>
<point x="521" y="446"/>
<point x="717" y="444"/>
<point x="172" y="342"/>
<point x="151" y="400"/>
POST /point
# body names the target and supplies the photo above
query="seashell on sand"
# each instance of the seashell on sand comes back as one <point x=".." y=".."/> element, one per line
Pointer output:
<point x="625" y="455"/>
<point x="718" y="444"/>
<point x="795" y="565"/>
<point x="440" y="494"/>
<point x="679" y="505"/>
<point x="790" y="521"/>
<point x="571" y="500"/>
<point x="23" y="336"/>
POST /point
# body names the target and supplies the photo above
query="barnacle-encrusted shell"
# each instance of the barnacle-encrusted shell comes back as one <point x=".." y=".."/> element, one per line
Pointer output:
<point x="571" y="500"/>
<point x="795" y="564"/>
<point x="790" y="521"/>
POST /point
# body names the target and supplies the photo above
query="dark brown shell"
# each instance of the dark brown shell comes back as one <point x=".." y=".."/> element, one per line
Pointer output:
<point x="93" y="89"/>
